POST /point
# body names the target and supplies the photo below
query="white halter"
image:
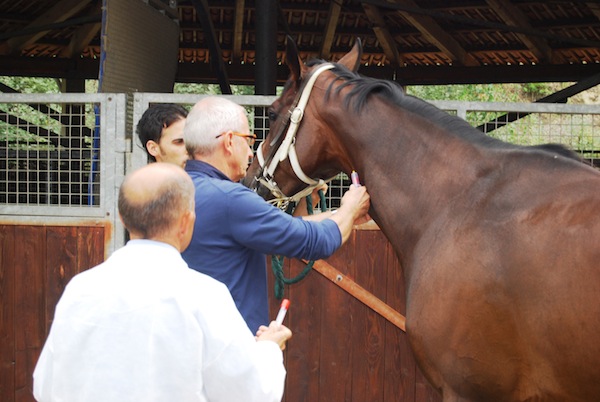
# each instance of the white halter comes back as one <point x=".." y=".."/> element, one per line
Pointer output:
<point x="288" y="148"/>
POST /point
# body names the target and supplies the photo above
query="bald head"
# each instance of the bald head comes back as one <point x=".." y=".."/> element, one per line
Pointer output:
<point x="153" y="198"/>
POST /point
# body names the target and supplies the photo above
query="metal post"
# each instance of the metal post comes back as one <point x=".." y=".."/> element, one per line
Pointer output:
<point x="266" y="47"/>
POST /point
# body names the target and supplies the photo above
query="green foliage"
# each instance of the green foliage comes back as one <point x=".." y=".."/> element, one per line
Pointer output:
<point x="211" y="89"/>
<point x="537" y="90"/>
<point x="31" y="85"/>
<point x="525" y="130"/>
<point x="468" y="92"/>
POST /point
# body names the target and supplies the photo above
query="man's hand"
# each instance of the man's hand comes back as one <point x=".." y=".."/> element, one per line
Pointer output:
<point x="355" y="205"/>
<point x="301" y="208"/>
<point x="274" y="332"/>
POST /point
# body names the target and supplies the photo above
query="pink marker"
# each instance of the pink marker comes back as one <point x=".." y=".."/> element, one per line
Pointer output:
<point x="285" y="304"/>
<point x="354" y="178"/>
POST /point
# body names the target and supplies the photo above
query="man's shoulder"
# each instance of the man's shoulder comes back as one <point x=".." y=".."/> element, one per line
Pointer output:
<point x="226" y="187"/>
<point x="200" y="284"/>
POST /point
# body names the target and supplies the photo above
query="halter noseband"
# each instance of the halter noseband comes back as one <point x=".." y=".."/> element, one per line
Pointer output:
<point x="287" y="148"/>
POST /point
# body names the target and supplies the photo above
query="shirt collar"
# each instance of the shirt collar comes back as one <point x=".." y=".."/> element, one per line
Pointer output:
<point x="204" y="168"/>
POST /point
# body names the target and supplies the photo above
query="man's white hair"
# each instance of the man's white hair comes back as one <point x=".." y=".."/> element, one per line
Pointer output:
<point x="209" y="118"/>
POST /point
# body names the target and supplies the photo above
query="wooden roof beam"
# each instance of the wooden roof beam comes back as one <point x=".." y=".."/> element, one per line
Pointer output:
<point x="513" y="16"/>
<point x="61" y="11"/>
<point x="333" y="16"/>
<point x="383" y="35"/>
<point x="436" y="35"/>
<point x="216" y="56"/>
<point x="238" y="30"/>
<point x="594" y="8"/>
<point x="83" y="36"/>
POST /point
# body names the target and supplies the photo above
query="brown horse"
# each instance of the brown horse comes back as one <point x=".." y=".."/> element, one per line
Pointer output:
<point x="499" y="244"/>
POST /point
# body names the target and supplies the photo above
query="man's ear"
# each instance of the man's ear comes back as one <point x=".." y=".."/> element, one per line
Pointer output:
<point x="153" y="148"/>
<point x="185" y="229"/>
<point x="227" y="143"/>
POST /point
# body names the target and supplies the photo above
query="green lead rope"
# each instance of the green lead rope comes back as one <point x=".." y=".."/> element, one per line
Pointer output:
<point x="277" y="260"/>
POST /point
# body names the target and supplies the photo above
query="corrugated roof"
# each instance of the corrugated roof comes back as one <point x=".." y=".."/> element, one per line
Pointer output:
<point x="469" y="35"/>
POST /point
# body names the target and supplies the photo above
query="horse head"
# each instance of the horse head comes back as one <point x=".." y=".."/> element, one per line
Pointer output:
<point x="299" y="153"/>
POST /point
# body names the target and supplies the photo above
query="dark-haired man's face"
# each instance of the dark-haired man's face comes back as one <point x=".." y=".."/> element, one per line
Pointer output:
<point x="171" y="148"/>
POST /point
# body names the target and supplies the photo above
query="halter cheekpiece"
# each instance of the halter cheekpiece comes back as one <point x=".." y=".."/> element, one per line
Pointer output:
<point x="287" y="148"/>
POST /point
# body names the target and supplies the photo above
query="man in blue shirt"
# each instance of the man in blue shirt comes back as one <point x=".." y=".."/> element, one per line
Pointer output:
<point x="235" y="228"/>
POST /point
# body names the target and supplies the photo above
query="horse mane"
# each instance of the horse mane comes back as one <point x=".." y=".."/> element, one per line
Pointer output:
<point x="362" y="88"/>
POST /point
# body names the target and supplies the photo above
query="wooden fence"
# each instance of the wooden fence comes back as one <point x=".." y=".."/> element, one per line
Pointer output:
<point x="36" y="262"/>
<point x="342" y="350"/>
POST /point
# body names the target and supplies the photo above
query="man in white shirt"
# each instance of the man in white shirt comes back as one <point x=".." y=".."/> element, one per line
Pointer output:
<point x="142" y="326"/>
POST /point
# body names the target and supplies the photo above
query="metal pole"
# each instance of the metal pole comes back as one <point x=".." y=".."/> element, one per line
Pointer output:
<point x="266" y="47"/>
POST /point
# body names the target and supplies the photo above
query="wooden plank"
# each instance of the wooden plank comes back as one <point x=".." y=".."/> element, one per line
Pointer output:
<point x="343" y="350"/>
<point x="358" y="292"/>
<point x="30" y="334"/>
<point x="61" y="265"/>
<point x="400" y="365"/>
<point x="305" y="321"/>
<point x="368" y="338"/>
<point x="7" y="318"/>
<point x="337" y="350"/>
<point x="90" y="246"/>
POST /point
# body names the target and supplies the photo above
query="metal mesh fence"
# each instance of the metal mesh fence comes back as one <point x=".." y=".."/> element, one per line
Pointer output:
<point x="580" y="132"/>
<point x="577" y="126"/>
<point x="58" y="153"/>
<point x="64" y="155"/>
<point x="50" y="154"/>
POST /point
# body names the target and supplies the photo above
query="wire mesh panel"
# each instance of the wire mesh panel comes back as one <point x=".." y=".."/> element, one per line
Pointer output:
<point x="580" y="132"/>
<point x="49" y="153"/>
<point x="55" y="151"/>
<point x="576" y="126"/>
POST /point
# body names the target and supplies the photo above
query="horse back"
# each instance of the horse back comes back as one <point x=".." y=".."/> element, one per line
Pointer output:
<point x="516" y="279"/>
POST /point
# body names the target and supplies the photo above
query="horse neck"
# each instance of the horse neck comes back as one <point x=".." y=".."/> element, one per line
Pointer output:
<point x="411" y="168"/>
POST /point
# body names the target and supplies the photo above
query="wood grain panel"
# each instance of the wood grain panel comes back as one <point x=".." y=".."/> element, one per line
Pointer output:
<point x="30" y="332"/>
<point x="305" y="320"/>
<point x="36" y="264"/>
<point x="369" y="338"/>
<point x="90" y="246"/>
<point x="60" y="267"/>
<point x="400" y="366"/>
<point x="341" y="349"/>
<point x="7" y="317"/>
<point x="337" y="350"/>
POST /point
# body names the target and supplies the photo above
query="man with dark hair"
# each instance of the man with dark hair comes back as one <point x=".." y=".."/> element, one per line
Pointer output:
<point x="160" y="131"/>
<point x="142" y="326"/>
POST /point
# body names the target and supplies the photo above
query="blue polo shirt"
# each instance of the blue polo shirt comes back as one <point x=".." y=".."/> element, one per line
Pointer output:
<point x="234" y="231"/>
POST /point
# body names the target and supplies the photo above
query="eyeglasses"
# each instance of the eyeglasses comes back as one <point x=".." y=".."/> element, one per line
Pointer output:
<point x="250" y="138"/>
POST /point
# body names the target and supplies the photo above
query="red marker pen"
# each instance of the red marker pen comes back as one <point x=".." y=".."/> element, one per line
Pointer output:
<point x="285" y="304"/>
<point x="354" y="178"/>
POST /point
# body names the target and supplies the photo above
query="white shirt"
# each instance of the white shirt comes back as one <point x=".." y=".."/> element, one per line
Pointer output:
<point x="142" y="326"/>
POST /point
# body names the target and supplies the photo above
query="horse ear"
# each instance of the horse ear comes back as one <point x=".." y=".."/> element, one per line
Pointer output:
<point x="292" y="59"/>
<point x="352" y="59"/>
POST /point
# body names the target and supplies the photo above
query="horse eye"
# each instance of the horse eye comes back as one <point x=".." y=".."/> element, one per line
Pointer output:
<point x="272" y="115"/>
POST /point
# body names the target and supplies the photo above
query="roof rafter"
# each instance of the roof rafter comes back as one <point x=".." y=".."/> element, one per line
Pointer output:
<point x="437" y="35"/>
<point x="238" y="30"/>
<point x="82" y="36"/>
<point x="594" y="8"/>
<point x="216" y="56"/>
<point x="61" y="11"/>
<point x="513" y="16"/>
<point x="385" y="38"/>
<point x="335" y="9"/>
